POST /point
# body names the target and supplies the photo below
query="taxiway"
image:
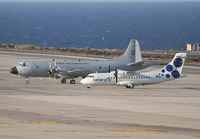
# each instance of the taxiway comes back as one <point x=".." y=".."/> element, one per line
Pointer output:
<point x="48" y="109"/>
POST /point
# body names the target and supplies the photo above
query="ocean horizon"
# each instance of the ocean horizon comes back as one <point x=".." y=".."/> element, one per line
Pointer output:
<point x="156" y="25"/>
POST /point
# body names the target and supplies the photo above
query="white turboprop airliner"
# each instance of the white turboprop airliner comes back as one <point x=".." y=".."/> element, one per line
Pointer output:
<point x="169" y="72"/>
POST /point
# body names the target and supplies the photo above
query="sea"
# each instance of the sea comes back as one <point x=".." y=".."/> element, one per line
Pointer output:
<point x="156" y="25"/>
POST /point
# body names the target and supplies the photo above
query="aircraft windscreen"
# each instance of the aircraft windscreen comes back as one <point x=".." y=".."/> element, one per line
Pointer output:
<point x="90" y="76"/>
<point x="23" y="64"/>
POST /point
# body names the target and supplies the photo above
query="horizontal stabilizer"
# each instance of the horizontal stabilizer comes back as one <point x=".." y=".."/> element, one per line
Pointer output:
<point x="183" y="75"/>
<point x="136" y="64"/>
<point x="181" y="55"/>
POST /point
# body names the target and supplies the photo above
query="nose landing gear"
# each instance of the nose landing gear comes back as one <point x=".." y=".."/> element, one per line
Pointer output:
<point x="27" y="81"/>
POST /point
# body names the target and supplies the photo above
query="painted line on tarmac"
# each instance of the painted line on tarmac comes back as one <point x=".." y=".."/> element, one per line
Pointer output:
<point x="98" y="120"/>
<point x="59" y="95"/>
<point x="136" y="130"/>
<point x="112" y="136"/>
<point x="59" y="131"/>
<point x="43" y="54"/>
<point x="11" y="126"/>
<point x="49" y="114"/>
<point x="44" y="122"/>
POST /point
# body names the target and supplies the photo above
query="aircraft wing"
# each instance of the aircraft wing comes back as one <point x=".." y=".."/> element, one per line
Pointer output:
<point x="183" y="75"/>
<point x="124" y="82"/>
<point x="73" y="73"/>
<point x="132" y="73"/>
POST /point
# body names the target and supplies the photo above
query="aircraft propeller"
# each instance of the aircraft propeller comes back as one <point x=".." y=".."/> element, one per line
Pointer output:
<point x="53" y="69"/>
<point x="116" y="74"/>
<point x="109" y="68"/>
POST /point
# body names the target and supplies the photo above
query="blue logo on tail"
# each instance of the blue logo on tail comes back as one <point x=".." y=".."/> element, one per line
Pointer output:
<point x="175" y="74"/>
<point x="178" y="62"/>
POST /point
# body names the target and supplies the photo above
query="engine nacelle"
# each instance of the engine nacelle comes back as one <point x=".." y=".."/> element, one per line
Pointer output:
<point x="122" y="73"/>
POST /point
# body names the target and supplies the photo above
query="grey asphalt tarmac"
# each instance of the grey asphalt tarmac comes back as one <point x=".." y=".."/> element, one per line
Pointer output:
<point x="48" y="109"/>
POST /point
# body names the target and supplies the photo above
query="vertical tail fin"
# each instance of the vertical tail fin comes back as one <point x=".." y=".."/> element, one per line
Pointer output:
<point x="138" y="56"/>
<point x="174" y="68"/>
<point x="133" y="53"/>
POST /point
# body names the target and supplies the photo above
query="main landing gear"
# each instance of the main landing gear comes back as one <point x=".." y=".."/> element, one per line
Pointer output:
<point x="129" y="86"/>
<point x="64" y="81"/>
<point x="72" y="81"/>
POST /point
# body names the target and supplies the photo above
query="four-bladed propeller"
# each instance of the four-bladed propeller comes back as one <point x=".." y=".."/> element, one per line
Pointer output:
<point x="53" y="69"/>
<point x="109" y="68"/>
<point x="116" y="75"/>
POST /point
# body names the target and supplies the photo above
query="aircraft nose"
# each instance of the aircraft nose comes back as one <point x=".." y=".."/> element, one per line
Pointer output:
<point x="14" y="70"/>
<point x="82" y="81"/>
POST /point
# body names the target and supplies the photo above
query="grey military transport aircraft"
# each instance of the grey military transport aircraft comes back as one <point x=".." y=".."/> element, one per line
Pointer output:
<point x="131" y="60"/>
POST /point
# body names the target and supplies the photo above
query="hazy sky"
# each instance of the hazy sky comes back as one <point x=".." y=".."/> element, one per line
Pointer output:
<point x="91" y="0"/>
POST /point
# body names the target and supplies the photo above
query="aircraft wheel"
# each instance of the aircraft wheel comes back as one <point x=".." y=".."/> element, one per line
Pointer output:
<point x="72" y="82"/>
<point x="130" y="86"/>
<point x="63" y="81"/>
<point x="27" y="82"/>
<point x="88" y="86"/>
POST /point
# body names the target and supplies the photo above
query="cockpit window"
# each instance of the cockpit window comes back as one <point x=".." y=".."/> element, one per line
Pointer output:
<point x="90" y="76"/>
<point x="23" y="64"/>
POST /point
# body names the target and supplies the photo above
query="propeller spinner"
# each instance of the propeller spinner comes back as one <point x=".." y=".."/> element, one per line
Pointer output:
<point x="53" y="69"/>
